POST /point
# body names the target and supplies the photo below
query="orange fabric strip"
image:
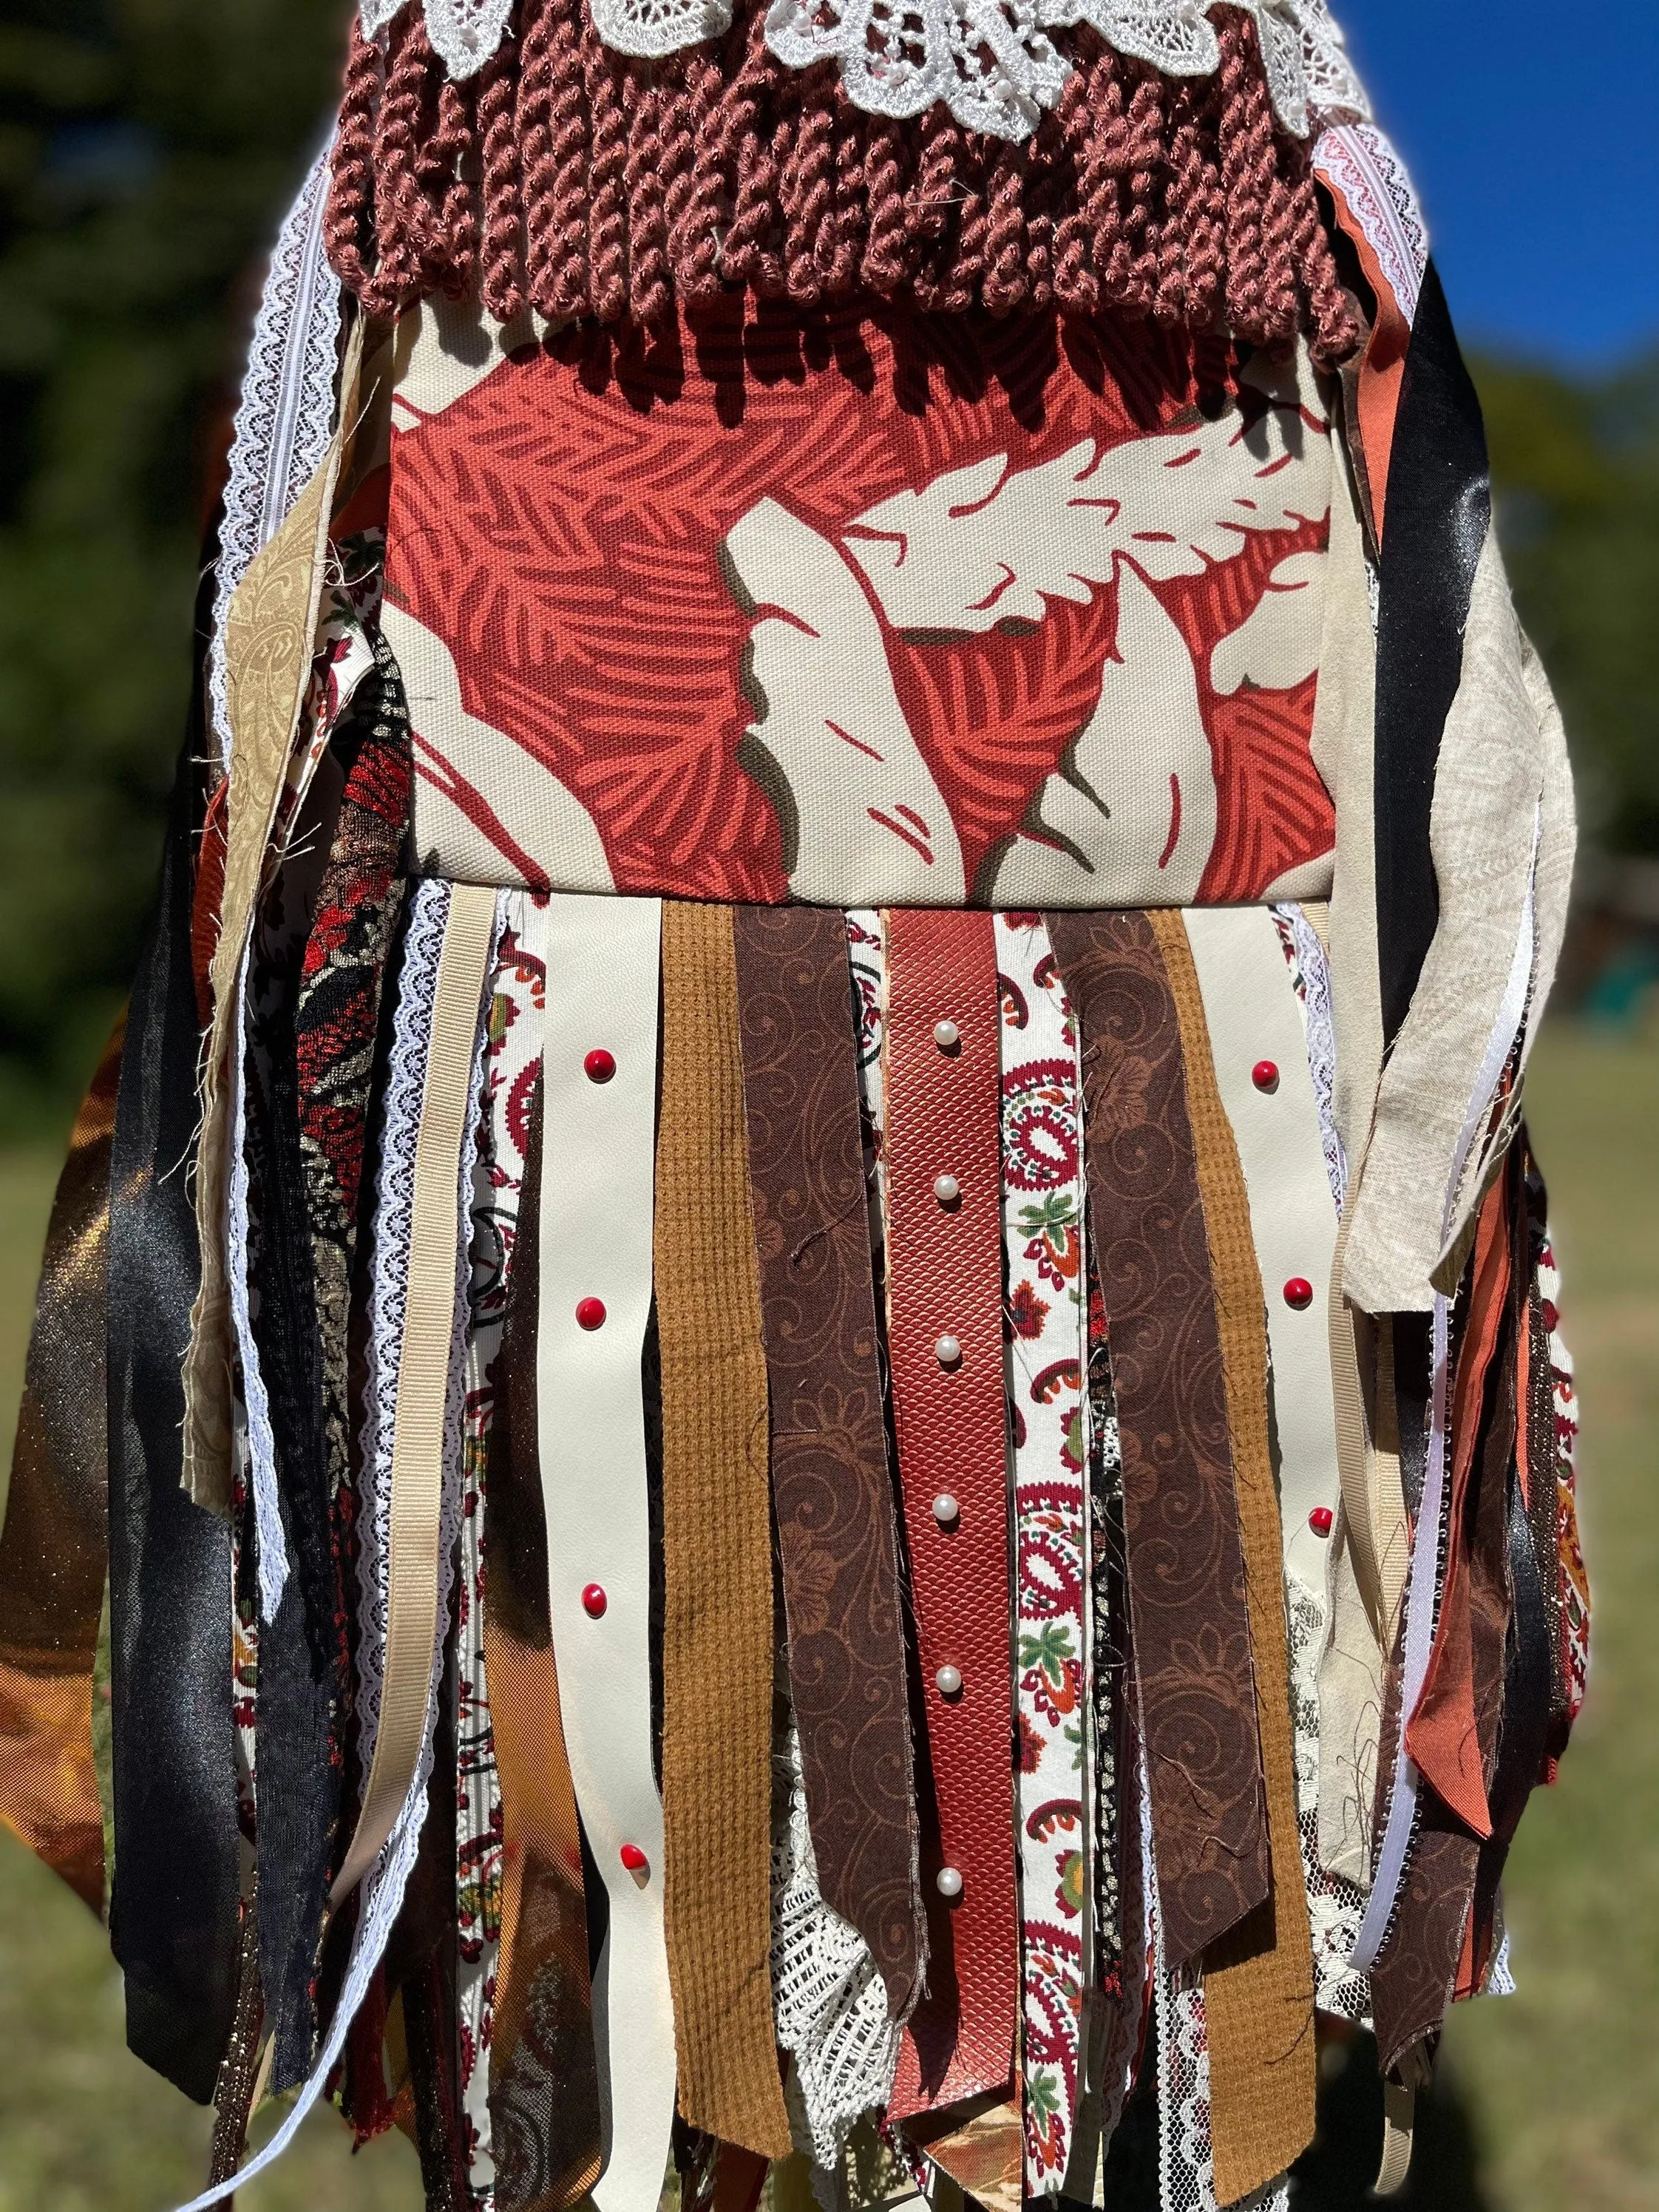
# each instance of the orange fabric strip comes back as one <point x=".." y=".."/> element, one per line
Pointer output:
<point x="1440" y="1734"/>
<point x="717" y="1553"/>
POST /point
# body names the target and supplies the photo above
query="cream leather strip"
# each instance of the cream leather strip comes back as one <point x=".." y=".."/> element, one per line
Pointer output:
<point x="1249" y="1007"/>
<point x="417" y="1448"/>
<point x="603" y="961"/>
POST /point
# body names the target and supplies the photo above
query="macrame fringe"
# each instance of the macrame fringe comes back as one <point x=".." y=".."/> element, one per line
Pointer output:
<point x="582" y="183"/>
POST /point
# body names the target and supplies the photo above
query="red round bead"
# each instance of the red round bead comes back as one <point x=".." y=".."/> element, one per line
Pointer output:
<point x="1265" y="1075"/>
<point x="634" y="1858"/>
<point x="1320" y="1520"/>
<point x="594" y="1601"/>
<point x="1298" y="1293"/>
<point x="590" y="1313"/>
<point x="599" y="1065"/>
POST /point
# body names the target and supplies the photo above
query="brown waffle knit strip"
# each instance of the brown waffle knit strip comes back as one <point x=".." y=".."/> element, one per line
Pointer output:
<point x="1259" y="1979"/>
<point x="575" y="180"/>
<point x="717" y="1553"/>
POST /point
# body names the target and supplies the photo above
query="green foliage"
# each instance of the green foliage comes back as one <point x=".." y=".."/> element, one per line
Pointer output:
<point x="1576" y="469"/>
<point x="146" y="150"/>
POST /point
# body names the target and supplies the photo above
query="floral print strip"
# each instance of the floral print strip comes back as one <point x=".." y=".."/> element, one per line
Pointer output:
<point x="1043" y="1249"/>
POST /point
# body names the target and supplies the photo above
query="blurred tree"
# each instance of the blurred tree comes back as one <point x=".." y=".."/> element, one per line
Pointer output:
<point x="146" y="150"/>
<point x="1577" y="471"/>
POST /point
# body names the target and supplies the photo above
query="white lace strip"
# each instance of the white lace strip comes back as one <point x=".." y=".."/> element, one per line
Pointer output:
<point x="1315" y="973"/>
<point x="285" y="417"/>
<point x="1358" y="161"/>
<point x="830" y="2000"/>
<point x="386" y="1879"/>
<point x="991" y="61"/>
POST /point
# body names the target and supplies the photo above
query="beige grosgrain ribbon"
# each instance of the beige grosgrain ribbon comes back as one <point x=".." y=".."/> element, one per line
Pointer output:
<point x="269" y="631"/>
<point x="417" y="1448"/>
<point x="717" y="1552"/>
<point x="1259" y="1979"/>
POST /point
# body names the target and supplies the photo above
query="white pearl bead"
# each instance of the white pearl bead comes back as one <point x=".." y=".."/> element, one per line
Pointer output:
<point x="945" y="1509"/>
<point x="946" y="1036"/>
<point x="948" y="1882"/>
<point x="948" y="1352"/>
<point x="946" y="1190"/>
<point x="948" y="1682"/>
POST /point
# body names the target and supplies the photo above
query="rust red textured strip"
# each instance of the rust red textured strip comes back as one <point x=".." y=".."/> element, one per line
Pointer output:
<point x="950" y="1408"/>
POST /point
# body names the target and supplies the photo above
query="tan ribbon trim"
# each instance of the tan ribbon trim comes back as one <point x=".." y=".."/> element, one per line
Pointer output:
<point x="417" y="1447"/>
<point x="1258" y="1980"/>
<point x="54" y="1547"/>
<point x="717" y="1550"/>
<point x="269" y="631"/>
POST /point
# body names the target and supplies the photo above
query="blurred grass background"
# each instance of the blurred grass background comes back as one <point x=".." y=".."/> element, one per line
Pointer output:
<point x="147" y="148"/>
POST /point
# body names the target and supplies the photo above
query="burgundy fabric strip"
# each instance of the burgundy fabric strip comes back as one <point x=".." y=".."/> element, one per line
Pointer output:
<point x="831" y="1490"/>
<point x="1189" y="1618"/>
<point x="943" y="1088"/>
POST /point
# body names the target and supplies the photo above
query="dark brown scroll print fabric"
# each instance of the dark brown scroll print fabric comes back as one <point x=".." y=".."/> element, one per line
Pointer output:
<point x="831" y="1490"/>
<point x="1188" y="1612"/>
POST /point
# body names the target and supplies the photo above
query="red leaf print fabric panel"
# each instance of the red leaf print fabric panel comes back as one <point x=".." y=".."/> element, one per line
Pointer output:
<point x="869" y="607"/>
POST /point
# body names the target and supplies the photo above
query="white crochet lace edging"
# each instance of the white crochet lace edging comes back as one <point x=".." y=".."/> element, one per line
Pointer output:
<point x="285" y="416"/>
<point x="991" y="61"/>
<point x="386" y="1880"/>
<point x="828" y="1996"/>
<point x="1359" y="161"/>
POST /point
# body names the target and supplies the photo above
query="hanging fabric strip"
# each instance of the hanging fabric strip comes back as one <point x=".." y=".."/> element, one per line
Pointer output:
<point x="511" y="1074"/>
<point x="410" y="1525"/>
<point x="54" y="1546"/>
<point x="951" y="1414"/>
<point x="285" y="412"/>
<point x="543" y="2081"/>
<point x="1188" y="1591"/>
<point x="1428" y="1526"/>
<point x="269" y="631"/>
<point x="601" y="957"/>
<point x="717" y="1553"/>
<point x="175" y="1912"/>
<point x="1258" y="1980"/>
<point x="1257" y="1058"/>
<point x="1045" y="1287"/>
<point x="831" y="1494"/>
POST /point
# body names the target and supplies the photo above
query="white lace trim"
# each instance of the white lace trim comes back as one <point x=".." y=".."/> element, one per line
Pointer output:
<point x="1358" y="161"/>
<point x="990" y="61"/>
<point x="285" y="417"/>
<point x="1335" y="1906"/>
<point x="1314" y="977"/>
<point x="384" y="1885"/>
<point x="829" y="1998"/>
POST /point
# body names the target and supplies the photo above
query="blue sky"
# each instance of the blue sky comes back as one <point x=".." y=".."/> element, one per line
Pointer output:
<point x="1531" y="129"/>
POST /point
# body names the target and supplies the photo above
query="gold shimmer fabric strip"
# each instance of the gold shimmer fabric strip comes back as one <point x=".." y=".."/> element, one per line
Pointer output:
<point x="717" y="1552"/>
<point x="1259" y="1979"/>
<point x="544" y="2077"/>
<point x="268" y="633"/>
<point x="418" y="1449"/>
<point x="54" y="1547"/>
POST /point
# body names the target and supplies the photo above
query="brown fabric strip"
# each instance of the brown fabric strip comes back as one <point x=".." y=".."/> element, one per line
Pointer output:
<point x="1259" y="1980"/>
<point x="54" y="1549"/>
<point x="1189" y="1612"/>
<point x="831" y="1490"/>
<point x="717" y="1554"/>
<point x="544" y="2078"/>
